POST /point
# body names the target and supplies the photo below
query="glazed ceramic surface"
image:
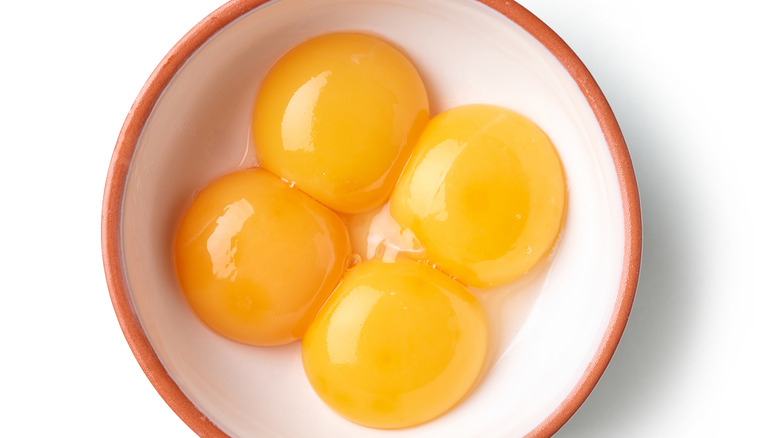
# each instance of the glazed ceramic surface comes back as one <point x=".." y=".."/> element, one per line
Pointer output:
<point x="550" y="330"/>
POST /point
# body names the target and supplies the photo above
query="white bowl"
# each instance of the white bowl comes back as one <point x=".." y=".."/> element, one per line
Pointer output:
<point x="553" y="331"/>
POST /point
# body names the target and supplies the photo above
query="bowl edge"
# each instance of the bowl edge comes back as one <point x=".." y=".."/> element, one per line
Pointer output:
<point x="234" y="9"/>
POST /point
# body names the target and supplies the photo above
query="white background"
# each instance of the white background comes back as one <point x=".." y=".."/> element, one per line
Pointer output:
<point x="695" y="86"/>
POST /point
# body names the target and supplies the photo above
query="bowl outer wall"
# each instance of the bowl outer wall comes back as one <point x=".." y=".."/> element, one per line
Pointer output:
<point x="222" y="17"/>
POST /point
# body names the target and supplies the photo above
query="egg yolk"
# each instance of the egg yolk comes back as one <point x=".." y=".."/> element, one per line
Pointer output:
<point x="256" y="259"/>
<point x="397" y="344"/>
<point x="338" y="115"/>
<point x="485" y="192"/>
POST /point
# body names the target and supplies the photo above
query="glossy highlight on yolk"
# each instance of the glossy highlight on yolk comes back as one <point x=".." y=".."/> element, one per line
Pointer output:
<point x="397" y="344"/>
<point x="485" y="193"/>
<point x="339" y="115"/>
<point x="256" y="259"/>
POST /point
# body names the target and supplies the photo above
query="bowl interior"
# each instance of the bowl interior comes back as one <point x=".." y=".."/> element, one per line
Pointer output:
<point x="546" y="327"/>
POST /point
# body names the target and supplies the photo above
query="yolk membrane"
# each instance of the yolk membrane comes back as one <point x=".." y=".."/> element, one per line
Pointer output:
<point x="256" y="259"/>
<point x="485" y="193"/>
<point x="397" y="344"/>
<point x="338" y="115"/>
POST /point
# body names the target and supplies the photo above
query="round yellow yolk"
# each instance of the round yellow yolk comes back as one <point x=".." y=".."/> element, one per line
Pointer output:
<point x="484" y="191"/>
<point x="339" y="115"/>
<point x="397" y="344"/>
<point x="256" y="259"/>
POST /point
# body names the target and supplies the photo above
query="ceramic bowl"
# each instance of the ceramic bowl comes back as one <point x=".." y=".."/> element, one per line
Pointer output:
<point x="552" y="333"/>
